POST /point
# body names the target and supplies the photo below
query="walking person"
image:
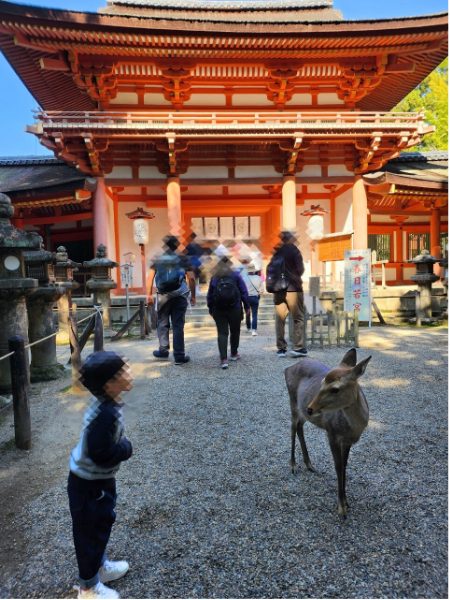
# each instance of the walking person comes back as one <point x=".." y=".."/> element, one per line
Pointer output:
<point x="226" y="295"/>
<point x="94" y="463"/>
<point x="174" y="278"/>
<point x="284" y="280"/>
<point x="254" y="285"/>
<point x="195" y="252"/>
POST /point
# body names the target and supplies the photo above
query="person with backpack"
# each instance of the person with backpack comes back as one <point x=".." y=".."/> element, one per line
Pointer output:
<point x="173" y="276"/>
<point x="254" y="285"/>
<point x="226" y="295"/>
<point x="284" y="281"/>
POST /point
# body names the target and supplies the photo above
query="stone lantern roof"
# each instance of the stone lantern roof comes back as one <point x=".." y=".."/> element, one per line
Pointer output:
<point x="10" y="236"/>
<point x="101" y="259"/>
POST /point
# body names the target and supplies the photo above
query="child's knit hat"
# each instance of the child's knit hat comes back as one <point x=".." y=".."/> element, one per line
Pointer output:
<point x="98" y="369"/>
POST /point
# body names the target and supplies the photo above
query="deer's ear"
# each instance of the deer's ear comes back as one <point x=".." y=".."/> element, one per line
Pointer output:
<point x="359" y="369"/>
<point x="349" y="359"/>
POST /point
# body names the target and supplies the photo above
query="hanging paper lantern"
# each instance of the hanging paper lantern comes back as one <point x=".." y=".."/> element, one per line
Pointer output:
<point x="315" y="227"/>
<point x="140" y="230"/>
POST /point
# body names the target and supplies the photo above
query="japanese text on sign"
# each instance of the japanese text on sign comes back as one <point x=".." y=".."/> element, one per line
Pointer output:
<point x="357" y="283"/>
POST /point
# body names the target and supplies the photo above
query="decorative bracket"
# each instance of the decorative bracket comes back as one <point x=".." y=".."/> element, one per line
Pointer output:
<point x="293" y="150"/>
<point x="360" y="78"/>
<point x="176" y="84"/>
<point x="98" y="80"/>
<point x="281" y="87"/>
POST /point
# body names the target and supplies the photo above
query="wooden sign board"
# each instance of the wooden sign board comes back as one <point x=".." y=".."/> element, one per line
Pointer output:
<point x="334" y="248"/>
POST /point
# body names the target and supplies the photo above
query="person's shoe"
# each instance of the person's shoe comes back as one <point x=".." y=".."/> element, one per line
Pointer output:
<point x="249" y="330"/>
<point x="161" y="353"/>
<point x="112" y="570"/>
<point x="235" y="357"/>
<point x="98" y="591"/>
<point x="281" y="353"/>
<point x="254" y="332"/>
<point x="182" y="360"/>
<point x="299" y="352"/>
<point x="224" y="364"/>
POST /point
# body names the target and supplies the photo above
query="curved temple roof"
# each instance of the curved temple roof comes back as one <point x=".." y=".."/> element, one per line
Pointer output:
<point x="247" y="11"/>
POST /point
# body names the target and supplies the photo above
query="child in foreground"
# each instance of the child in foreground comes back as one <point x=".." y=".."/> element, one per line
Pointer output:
<point x="93" y="465"/>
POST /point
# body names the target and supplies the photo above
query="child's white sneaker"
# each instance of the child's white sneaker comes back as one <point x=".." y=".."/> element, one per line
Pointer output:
<point x="112" y="570"/>
<point x="98" y="591"/>
<point x="254" y="332"/>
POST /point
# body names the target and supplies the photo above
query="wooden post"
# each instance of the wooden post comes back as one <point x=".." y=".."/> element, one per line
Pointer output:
<point x="142" y="318"/>
<point x="98" y="331"/>
<point x="20" y="383"/>
<point x="356" y="328"/>
<point x="75" y="355"/>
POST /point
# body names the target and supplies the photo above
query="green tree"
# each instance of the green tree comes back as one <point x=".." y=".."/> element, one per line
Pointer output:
<point x="431" y="96"/>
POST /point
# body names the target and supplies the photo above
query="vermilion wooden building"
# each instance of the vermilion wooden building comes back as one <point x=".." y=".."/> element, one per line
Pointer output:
<point x="232" y="118"/>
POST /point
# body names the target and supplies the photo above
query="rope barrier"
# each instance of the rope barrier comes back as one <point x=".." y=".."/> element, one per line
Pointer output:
<point x="42" y="340"/>
<point x="6" y="356"/>
<point x="88" y="317"/>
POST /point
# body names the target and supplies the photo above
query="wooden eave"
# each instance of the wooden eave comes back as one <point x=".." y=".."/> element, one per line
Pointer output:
<point x="403" y="181"/>
<point x="28" y="35"/>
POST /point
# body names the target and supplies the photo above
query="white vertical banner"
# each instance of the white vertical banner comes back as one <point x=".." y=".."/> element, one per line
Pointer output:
<point x="357" y="281"/>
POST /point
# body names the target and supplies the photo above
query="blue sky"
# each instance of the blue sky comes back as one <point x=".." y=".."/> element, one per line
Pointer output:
<point x="18" y="104"/>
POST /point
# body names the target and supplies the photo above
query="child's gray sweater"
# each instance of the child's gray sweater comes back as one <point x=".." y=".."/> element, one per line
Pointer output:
<point x="102" y="446"/>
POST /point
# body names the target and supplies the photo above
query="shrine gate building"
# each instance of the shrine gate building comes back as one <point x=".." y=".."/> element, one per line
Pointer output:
<point x="231" y="118"/>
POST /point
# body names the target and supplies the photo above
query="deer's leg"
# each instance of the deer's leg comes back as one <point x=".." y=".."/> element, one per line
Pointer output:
<point x="345" y="453"/>
<point x="338" y="458"/>
<point x="301" y="438"/>
<point x="294" y="468"/>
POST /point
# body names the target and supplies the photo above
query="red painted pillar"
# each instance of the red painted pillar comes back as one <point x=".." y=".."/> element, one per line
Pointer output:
<point x="435" y="227"/>
<point x="100" y="214"/>
<point x="359" y="210"/>
<point x="174" y="205"/>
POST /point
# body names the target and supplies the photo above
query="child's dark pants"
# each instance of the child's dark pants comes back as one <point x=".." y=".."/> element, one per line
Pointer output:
<point x="92" y="506"/>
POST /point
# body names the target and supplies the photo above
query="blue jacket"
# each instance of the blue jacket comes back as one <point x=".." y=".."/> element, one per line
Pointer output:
<point x="241" y="286"/>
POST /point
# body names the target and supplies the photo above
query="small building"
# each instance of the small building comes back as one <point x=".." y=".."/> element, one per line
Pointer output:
<point x="232" y="119"/>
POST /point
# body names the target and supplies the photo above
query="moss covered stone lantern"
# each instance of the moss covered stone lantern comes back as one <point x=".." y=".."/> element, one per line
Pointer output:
<point x="101" y="282"/>
<point x="64" y="270"/>
<point x="15" y="285"/>
<point x="424" y="277"/>
<point x="40" y="264"/>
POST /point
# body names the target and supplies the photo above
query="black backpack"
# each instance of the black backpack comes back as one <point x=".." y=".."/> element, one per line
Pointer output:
<point x="226" y="293"/>
<point x="276" y="279"/>
<point x="169" y="273"/>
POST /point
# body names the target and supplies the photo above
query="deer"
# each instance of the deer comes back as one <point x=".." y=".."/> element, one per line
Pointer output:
<point x="330" y="399"/>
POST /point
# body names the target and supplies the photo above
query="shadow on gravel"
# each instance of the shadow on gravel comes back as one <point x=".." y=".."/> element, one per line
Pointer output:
<point x="208" y="507"/>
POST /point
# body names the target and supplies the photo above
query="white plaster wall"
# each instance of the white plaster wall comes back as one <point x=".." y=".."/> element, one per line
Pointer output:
<point x="150" y="172"/>
<point x="206" y="100"/>
<point x="119" y="173"/>
<point x="263" y="171"/>
<point x="158" y="228"/>
<point x="251" y="100"/>
<point x="338" y="170"/>
<point x="301" y="99"/>
<point x="324" y="99"/>
<point x="155" y="99"/>
<point x="125" y="98"/>
<point x="205" y="172"/>
<point x="310" y="171"/>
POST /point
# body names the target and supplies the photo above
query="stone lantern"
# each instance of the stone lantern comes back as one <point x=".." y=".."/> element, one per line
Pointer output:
<point x="44" y="365"/>
<point x="101" y="283"/>
<point x="14" y="284"/>
<point x="64" y="269"/>
<point x="424" y="277"/>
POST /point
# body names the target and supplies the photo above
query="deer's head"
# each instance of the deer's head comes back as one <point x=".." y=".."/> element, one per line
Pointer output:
<point x="339" y="388"/>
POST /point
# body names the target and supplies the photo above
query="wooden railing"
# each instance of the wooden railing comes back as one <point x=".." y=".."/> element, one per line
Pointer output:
<point x="229" y="120"/>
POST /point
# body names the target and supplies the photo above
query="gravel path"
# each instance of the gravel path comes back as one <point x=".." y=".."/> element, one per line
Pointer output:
<point x="208" y="506"/>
